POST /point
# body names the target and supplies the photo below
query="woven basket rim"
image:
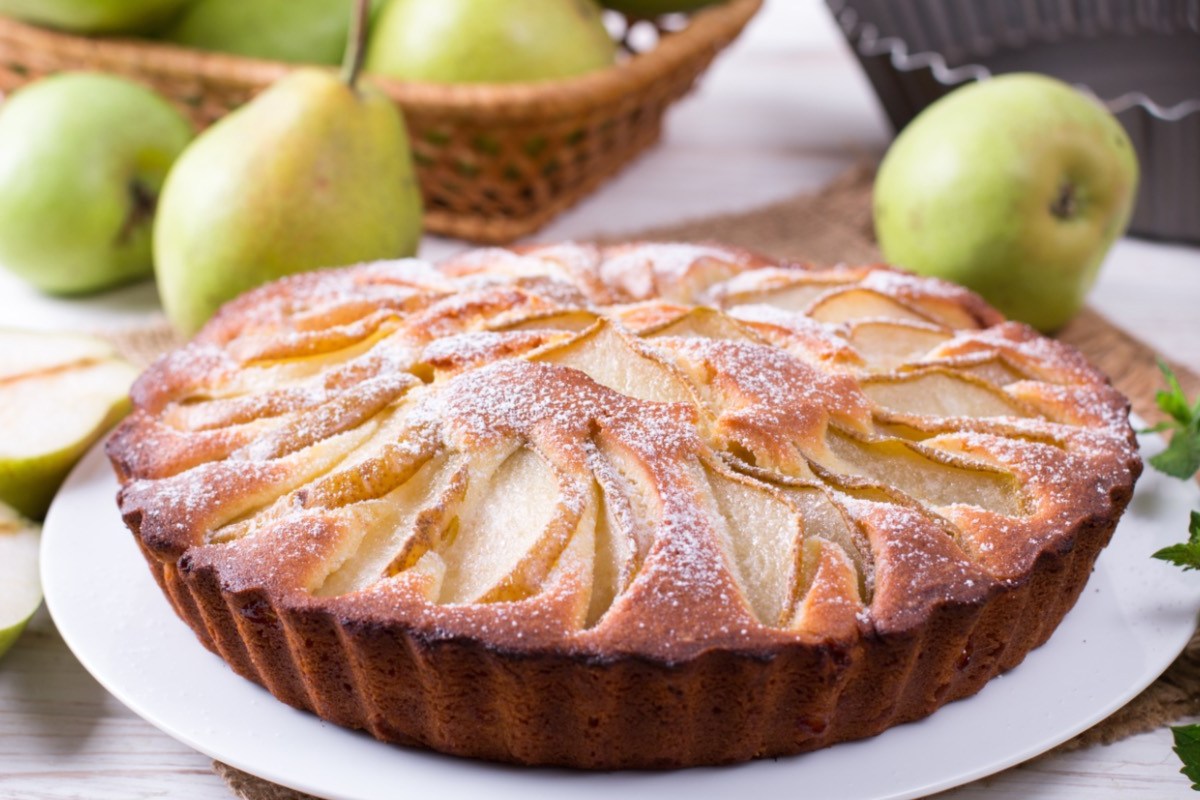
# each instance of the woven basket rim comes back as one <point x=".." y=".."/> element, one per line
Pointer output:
<point x="709" y="28"/>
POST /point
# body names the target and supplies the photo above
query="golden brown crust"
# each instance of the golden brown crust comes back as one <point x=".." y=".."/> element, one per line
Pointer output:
<point x="540" y="506"/>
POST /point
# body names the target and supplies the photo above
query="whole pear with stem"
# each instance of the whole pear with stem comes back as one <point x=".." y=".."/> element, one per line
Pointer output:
<point x="314" y="172"/>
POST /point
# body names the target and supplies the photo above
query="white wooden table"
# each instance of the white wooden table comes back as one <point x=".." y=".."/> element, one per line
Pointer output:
<point x="785" y="110"/>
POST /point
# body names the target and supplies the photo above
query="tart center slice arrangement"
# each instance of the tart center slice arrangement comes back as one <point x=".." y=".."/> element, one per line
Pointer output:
<point x="647" y="505"/>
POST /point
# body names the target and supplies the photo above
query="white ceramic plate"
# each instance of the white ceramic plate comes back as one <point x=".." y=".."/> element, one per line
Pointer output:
<point x="1134" y="617"/>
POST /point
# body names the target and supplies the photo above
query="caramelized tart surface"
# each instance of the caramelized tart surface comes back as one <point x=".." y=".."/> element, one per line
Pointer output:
<point x="648" y="505"/>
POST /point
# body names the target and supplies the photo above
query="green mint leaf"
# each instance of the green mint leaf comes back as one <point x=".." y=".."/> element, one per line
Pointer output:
<point x="1181" y="459"/>
<point x="1172" y="400"/>
<point x="1187" y="747"/>
<point x="1181" y="555"/>
<point x="1185" y="554"/>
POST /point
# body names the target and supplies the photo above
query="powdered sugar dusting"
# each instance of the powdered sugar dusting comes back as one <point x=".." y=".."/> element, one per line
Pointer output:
<point x="411" y="364"/>
<point x="906" y="286"/>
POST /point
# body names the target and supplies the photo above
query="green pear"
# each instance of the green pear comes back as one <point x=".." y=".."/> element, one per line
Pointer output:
<point x="483" y="41"/>
<point x="1015" y="187"/>
<point x="314" y="172"/>
<point x="82" y="159"/>
<point x="59" y="393"/>
<point x="93" y="16"/>
<point x="302" y="31"/>
<point x="20" y="588"/>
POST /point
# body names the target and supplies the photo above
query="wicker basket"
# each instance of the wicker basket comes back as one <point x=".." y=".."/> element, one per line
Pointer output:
<point x="495" y="162"/>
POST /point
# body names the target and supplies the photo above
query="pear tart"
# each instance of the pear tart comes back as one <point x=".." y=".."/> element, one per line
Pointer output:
<point x="641" y="506"/>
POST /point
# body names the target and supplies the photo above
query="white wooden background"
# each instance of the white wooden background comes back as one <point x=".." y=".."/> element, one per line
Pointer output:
<point x="783" y="111"/>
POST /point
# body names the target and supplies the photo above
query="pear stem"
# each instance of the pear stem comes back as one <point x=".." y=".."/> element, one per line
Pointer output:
<point x="356" y="47"/>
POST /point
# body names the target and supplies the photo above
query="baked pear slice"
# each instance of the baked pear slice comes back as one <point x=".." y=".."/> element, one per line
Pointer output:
<point x="887" y="344"/>
<point x="59" y="393"/>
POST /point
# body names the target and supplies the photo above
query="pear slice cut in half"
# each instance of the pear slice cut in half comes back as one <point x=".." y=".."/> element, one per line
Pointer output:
<point x="29" y="352"/>
<point x="20" y="588"/>
<point x="59" y="393"/>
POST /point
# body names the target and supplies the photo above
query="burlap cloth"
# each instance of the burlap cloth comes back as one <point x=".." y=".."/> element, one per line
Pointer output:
<point x="830" y="226"/>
